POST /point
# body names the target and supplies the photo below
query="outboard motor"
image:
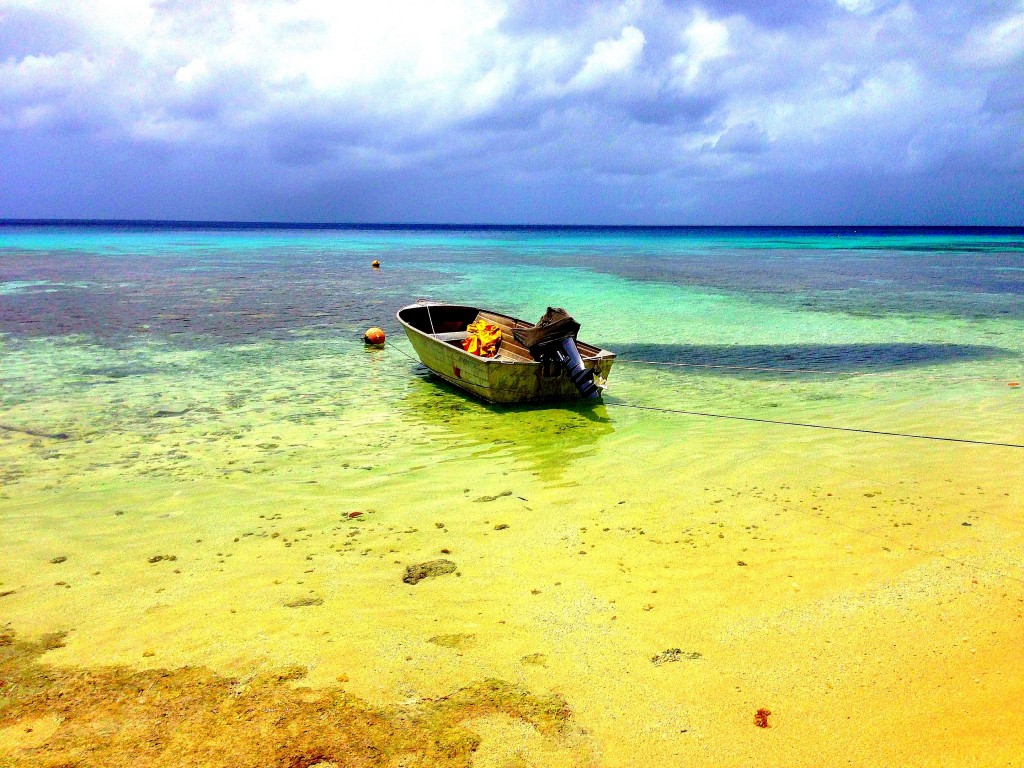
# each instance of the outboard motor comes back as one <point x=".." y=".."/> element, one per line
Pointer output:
<point x="566" y="353"/>
<point x="554" y="339"/>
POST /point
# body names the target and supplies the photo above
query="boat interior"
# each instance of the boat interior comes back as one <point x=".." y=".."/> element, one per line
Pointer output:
<point x="447" y="323"/>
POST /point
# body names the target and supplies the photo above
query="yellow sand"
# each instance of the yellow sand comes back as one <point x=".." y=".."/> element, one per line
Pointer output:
<point x="875" y="625"/>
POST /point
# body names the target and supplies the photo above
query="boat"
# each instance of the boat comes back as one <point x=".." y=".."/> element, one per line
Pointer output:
<point x="514" y="374"/>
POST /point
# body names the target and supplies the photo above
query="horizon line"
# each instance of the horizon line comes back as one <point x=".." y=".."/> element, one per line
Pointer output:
<point x="280" y="224"/>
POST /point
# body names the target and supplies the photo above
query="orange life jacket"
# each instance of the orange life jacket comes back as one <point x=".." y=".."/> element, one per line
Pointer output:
<point x="483" y="339"/>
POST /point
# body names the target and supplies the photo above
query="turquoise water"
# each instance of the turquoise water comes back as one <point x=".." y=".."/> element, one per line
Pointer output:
<point x="205" y="393"/>
<point x="909" y="303"/>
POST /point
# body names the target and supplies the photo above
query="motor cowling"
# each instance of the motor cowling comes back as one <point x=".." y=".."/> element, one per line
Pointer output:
<point x="553" y="338"/>
<point x="566" y="352"/>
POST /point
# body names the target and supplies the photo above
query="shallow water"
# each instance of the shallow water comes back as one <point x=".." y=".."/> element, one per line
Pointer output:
<point x="220" y="409"/>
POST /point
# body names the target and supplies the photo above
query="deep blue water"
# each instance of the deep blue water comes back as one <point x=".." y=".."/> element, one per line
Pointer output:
<point x="969" y="272"/>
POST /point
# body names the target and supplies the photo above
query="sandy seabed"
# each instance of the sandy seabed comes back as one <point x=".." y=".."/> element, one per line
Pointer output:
<point x="209" y="569"/>
<point x="232" y="535"/>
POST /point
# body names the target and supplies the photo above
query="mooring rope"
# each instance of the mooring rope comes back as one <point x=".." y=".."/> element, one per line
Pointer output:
<point x="780" y="422"/>
<point x="975" y="567"/>
<point x="807" y="425"/>
<point x="765" y="369"/>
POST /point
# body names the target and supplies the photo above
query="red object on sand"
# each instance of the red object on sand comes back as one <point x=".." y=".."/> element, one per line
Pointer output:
<point x="761" y="717"/>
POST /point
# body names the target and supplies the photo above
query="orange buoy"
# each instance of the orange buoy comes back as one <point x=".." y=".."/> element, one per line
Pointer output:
<point x="375" y="264"/>
<point x="374" y="336"/>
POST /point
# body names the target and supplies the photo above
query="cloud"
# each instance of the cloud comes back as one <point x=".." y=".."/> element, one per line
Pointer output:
<point x="608" y="59"/>
<point x="747" y="138"/>
<point x="705" y="40"/>
<point x="858" y="6"/>
<point x="997" y="43"/>
<point x="668" y="97"/>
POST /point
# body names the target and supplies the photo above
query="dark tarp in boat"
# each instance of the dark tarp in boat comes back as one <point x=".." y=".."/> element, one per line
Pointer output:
<point x="553" y="338"/>
<point x="555" y="325"/>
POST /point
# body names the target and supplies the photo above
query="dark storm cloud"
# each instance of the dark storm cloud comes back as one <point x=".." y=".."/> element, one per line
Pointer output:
<point x="640" y="111"/>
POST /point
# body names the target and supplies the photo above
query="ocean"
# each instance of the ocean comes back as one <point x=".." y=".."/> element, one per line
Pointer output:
<point x="203" y="467"/>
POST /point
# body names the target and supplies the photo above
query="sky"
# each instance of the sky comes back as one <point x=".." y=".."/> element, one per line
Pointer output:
<point x="530" y="111"/>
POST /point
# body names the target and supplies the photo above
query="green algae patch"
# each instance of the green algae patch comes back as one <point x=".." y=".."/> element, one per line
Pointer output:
<point x="675" y="654"/>
<point x="416" y="573"/>
<point x="304" y="602"/>
<point x="191" y="716"/>
<point x="457" y="641"/>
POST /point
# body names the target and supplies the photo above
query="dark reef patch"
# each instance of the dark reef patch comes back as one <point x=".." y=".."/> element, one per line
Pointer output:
<point x="197" y="300"/>
<point x="949" y="277"/>
<point x="763" y="359"/>
<point x="116" y="716"/>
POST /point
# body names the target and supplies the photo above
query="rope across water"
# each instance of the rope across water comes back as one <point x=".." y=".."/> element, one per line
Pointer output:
<point x="815" y="371"/>
<point x="806" y="425"/>
<point x="779" y="422"/>
<point x="974" y="567"/>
